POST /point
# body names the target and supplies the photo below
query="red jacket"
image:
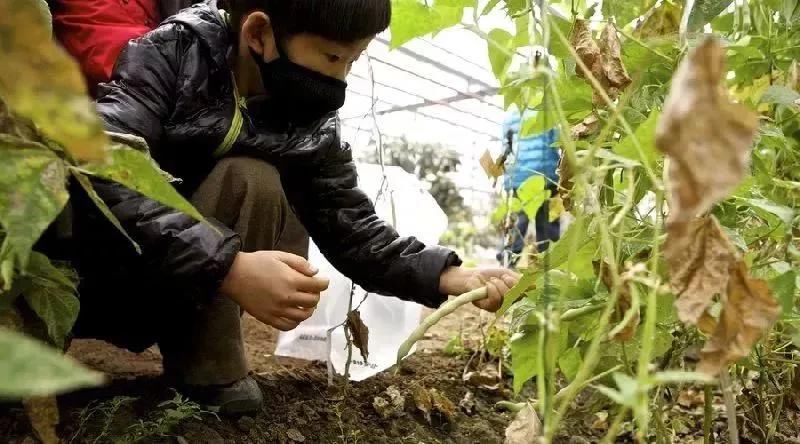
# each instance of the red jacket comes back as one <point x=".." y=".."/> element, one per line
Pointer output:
<point x="95" y="31"/>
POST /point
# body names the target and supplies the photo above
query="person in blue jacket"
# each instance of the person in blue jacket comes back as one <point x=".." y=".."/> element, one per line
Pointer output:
<point x="531" y="155"/>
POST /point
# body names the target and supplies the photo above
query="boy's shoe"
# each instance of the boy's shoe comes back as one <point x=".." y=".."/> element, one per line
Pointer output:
<point x="242" y="397"/>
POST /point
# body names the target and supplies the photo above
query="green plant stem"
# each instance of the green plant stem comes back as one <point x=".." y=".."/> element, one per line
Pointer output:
<point x="708" y="412"/>
<point x="613" y="430"/>
<point x="592" y="354"/>
<point x="730" y="406"/>
<point x="446" y="308"/>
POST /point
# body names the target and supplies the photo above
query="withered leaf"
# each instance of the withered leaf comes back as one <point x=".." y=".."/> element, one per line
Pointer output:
<point x="603" y="60"/>
<point x="443" y="405"/>
<point x="706" y="136"/>
<point x="749" y="311"/>
<point x="615" y="78"/>
<point x="700" y="257"/>
<point x="626" y="332"/>
<point x="662" y="20"/>
<point x="490" y="166"/>
<point x="40" y="81"/>
<point x="566" y="176"/>
<point x="526" y="428"/>
<point x="422" y="399"/>
<point x="43" y="414"/>
<point x="587" y="49"/>
<point x="359" y="332"/>
<point x="589" y="126"/>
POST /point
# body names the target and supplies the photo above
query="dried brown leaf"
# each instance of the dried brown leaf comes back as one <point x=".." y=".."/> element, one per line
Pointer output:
<point x="394" y="407"/>
<point x="624" y="304"/>
<point x="526" y="428"/>
<point x="749" y="311"/>
<point x="586" y="128"/>
<point x="566" y="176"/>
<point x="662" y="20"/>
<point x="422" y="399"/>
<point x="603" y="60"/>
<point x="587" y="49"/>
<point x="615" y="76"/>
<point x="706" y="136"/>
<point x="359" y="332"/>
<point x="443" y="405"/>
<point x="43" y="414"/>
<point x="699" y="256"/>
<point x="490" y="166"/>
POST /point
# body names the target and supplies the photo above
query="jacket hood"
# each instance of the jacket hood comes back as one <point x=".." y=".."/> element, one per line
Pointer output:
<point x="207" y="21"/>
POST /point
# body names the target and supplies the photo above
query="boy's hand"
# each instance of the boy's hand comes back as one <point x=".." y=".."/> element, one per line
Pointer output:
<point x="277" y="288"/>
<point x="458" y="280"/>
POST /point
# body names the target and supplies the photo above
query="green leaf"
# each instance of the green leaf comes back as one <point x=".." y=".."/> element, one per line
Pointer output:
<point x="570" y="362"/>
<point x="780" y="95"/>
<point x="557" y="47"/>
<point x="645" y="134"/>
<point x="86" y="184"/>
<point x="526" y="281"/>
<point x="490" y="6"/>
<point x="41" y="82"/>
<point x="32" y="194"/>
<point x="784" y="287"/>
<point x="500" y="48"/>
<point x="785" y="214"/>
<point x="628" y="388"/>
<point x="50" y="293"/>
<point x="704" y="11"/>
<point x="612" y="394"/>
<point x="137" y="171"/>
<point x="412" y="19"/>
<point x="532" y="194"/>
<point x="524" y="357"/>
<point x="624" y="11"/>
<point x="29" y="368"/>
<point x="575" y="250"/>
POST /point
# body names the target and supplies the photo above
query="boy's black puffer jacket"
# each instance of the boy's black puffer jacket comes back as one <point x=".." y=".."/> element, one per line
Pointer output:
<point x="174" y="88"/>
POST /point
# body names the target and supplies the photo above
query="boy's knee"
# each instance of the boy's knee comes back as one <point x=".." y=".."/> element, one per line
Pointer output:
<point x="257" y="179"/>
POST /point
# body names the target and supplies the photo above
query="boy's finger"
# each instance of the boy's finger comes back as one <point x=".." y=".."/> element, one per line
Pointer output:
<point x="297" y="314"/>
<point x="304" y="300"/>
<point x="281" y="324"/>
<point x="500" y="287"/>
<point x="312" y="284"/>
<point x="298" y="263"/>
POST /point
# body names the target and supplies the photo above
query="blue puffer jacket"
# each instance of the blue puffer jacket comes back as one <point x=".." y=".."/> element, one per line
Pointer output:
<point x="533" y="154"/>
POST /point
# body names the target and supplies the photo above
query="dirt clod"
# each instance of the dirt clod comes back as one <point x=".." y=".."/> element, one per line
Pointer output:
<point x="246" y="423"/>
<point x="467" y="403"/>
<point x="295" y="435"/>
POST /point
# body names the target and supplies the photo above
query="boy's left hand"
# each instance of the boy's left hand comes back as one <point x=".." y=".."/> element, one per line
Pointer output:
<point x="458" y="280"/>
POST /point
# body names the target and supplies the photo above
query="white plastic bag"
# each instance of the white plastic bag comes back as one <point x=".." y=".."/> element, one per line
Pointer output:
<point x="405" y="204"/>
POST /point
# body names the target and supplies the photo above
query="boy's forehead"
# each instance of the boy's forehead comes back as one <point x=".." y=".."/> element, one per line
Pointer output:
<point x="356" y="46"/>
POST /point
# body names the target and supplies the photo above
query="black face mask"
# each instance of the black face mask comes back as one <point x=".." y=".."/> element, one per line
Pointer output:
<point x="302" y="93"/>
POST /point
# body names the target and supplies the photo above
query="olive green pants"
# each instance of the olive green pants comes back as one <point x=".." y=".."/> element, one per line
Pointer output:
<point x="246" y="195"/>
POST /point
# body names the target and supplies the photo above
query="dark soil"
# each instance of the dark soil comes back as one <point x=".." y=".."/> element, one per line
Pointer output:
<point x="299" y="405"/>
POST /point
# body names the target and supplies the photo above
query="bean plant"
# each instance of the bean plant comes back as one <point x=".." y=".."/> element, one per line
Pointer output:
<point x="680" y="138"/>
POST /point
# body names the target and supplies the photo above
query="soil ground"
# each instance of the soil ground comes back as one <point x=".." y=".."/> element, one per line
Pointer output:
<point x="299" y="407"/>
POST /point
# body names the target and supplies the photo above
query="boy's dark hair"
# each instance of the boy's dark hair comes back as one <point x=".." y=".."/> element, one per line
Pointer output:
<point x="338" y="20"/>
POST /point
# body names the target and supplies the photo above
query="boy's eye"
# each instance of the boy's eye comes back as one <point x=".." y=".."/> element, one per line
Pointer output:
<point x="333" y="58"/>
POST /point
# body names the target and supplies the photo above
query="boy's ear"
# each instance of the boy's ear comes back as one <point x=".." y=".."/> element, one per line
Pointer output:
<point x="257" y="34"/>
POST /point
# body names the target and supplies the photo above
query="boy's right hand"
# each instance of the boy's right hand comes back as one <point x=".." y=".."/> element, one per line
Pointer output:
<point x="277" y="288"/>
